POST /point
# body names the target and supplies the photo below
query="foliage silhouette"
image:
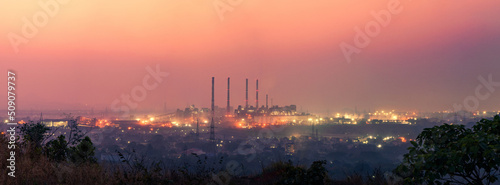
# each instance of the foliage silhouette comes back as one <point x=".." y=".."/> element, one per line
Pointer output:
<point x="454" y="154"/>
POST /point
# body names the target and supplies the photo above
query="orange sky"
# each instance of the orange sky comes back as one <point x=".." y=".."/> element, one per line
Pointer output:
<point x="92" y="51"/>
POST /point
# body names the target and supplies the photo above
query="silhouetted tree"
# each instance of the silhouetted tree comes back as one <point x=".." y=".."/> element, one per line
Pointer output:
<point x="57" y="149"/>
<point x="34" y="133"/>
<point x="287" y="173"/>
<point x="316" y="174"/>
<point x="453" y="154"/>
<point x="83" y="152"/>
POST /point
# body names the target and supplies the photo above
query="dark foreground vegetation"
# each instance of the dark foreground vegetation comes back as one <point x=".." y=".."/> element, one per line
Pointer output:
<point x="446" y="154"/>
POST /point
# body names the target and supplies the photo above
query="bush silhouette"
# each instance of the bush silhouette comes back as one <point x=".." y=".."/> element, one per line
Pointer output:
<point x="454" y="154"/>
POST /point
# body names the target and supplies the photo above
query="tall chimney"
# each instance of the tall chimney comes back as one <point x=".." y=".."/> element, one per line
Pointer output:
<point x="246" y="99"/>
<point x="257" y="95"/>
<point x="212" y="126"/>
<point x="213" y="83"/>
<point x="228" y="99"/>
<point x="267" y="98"/>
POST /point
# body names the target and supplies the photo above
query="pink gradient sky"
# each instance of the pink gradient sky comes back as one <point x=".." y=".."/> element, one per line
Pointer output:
<point x="91" y="52"/>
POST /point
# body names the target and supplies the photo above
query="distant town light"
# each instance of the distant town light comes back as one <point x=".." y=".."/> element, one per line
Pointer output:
<point x="379" y="146"/>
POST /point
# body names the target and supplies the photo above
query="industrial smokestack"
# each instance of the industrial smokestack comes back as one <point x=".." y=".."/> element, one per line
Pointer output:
<point x="228" y="98"/>
<point x="213" y="83"/>
<point x="257" y="95"/>
<point x="246" y="99"/>
<point x="267" y="98"/>
<point x="212" y="126"/>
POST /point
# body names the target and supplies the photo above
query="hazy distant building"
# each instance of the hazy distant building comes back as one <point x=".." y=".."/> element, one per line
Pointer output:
<point x="55" y="122"/>
<point x="242" y="112"/>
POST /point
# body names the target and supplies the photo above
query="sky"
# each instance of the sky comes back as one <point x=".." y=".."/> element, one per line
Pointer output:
<point x="86" y="54"/>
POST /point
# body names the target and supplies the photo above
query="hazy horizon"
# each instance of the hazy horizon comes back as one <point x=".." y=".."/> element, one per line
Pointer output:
<point x="427" y="59"/>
